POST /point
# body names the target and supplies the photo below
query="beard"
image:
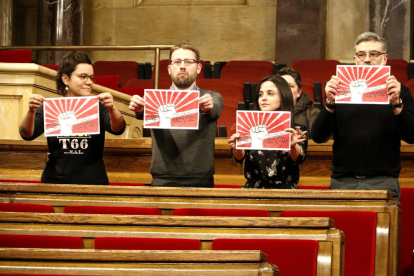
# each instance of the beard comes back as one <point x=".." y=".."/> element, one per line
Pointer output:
<point x="184" y="82"/>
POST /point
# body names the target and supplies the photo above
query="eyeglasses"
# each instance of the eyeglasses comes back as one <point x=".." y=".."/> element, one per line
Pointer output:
<point x="372" y="55"/>
<point x="85" y="77"/>
<point x="187" y="62"/>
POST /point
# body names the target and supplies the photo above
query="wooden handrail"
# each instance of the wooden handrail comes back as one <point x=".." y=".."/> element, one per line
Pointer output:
<point x="156" y="48"/>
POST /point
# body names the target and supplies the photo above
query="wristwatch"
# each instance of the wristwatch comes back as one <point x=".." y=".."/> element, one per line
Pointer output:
<point x="400" y="104"/>
<point x="330" y="105"/>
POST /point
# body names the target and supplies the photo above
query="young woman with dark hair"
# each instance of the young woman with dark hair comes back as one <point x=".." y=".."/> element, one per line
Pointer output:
<point x="74" y="159"/>
<point x="273" y="169"/>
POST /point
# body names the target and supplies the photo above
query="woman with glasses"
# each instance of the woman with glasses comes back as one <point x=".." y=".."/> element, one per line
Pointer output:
<point x="74" y="159"/>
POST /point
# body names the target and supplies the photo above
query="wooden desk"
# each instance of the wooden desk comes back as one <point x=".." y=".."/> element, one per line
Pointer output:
<point x="330" y="250"/>
<point x="134" y="262"/>
<point x="275" y="201"/>
<point x="129" y="160"/>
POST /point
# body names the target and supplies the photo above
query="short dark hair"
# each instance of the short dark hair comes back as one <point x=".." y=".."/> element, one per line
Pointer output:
<point x="370" y="36"/>
<point x="291" y="72"/>
<point x="67" y="66"/>
<point x="286" y="98"/>
<point x="188" y="47"/>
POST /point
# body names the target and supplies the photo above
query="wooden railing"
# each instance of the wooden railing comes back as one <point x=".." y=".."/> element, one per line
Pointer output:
<point x="156" y="48"/>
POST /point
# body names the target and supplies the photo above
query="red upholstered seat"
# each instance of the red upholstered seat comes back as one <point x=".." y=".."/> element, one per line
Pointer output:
<point x="227" y="186"/>
<point x="149" y="84"/>
<point x="360" y="232"/>
<point x="220" y="212"/>
<point x="125" y="184"/>
<point x="22" y="207"/>
<point x="110" y="81"/>
<point x="313" y="187"/>
<point x="16" y="56"/>
<point x="19" y="181"/>
<point x="247" y="71"/>
<point x="316" y="69"/>
<point x="232" y="92"/>
<point x="146" y="244"/>
<point x="126" y="70"/>
<point x="292" y="257"/>
<point x="399" y="69"/>
<point x="40" y="241"/>
<point x="112" y="210"/>
<point x="407" y="230"/>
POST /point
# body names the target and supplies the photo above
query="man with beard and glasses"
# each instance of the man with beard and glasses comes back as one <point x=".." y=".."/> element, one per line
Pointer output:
<point x="181" y="157"/>
<point x="367" y="137"/>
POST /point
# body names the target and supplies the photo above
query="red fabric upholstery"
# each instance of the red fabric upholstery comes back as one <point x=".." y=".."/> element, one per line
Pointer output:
<point x="227" y="186"/>
<point x="19" y="207"/>
<point x="132" y="91"/>
<point x="16" y="56"/>
<point x="248" y="71"/>
<point x="149" y="84"/>
<point x="399" y="69"/>
<point x="146" y="244"/>
<point x="220" y="212"/>
<point x="53" y="67"/>
<point x="112" y="210"/>
<point x="232" y="92"/>
<point x="108" y="81"/>
<point x="410" y="85"/>
<point x="126" y="70"/>
<point x="360" y="233"/>
<point x="316" y="69"/>
<point x="20" y="181"/>
<point x="292" y="257"/>
<point x="313" y="187"/>
<point x="125" y="184"/>
<point x="40" y="241"/>
<point x="407" y="230"/>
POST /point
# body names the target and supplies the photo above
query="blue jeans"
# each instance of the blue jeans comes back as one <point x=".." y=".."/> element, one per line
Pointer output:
<point x="388" y="183"/>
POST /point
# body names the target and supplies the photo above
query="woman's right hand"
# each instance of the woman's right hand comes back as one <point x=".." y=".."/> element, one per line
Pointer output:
<point x="35" y="101"/>
<point x="232" y="140"/>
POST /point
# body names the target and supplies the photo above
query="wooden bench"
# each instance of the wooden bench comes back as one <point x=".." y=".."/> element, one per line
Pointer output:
<point x="275" y="201"/>
<point x="131" y="262"/>
<point x="129" y="161"/>
<point x="206" y="229"/>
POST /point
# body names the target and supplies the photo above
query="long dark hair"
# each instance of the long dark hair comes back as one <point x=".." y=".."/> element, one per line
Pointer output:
<point x="67" y="66"/>
<point x="286" y="98"/>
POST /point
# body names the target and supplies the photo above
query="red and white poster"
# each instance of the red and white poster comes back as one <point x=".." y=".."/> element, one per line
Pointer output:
<point x="171" y="109"/>
<point x="71" y="116"/>
<point x="263" y="130"/>
<point x="362" y="84"/>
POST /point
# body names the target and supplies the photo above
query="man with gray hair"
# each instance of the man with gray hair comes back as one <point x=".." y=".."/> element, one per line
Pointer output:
<point x="367" y="137"/>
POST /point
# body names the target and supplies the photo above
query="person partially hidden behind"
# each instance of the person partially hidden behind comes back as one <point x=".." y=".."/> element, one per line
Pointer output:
<point x="74" y="159"/>
<point x="184" y="158"/>
<point x="367" y="137"/>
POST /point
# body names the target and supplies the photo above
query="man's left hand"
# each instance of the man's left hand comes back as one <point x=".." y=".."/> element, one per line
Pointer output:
<point x="393" y="90"/>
